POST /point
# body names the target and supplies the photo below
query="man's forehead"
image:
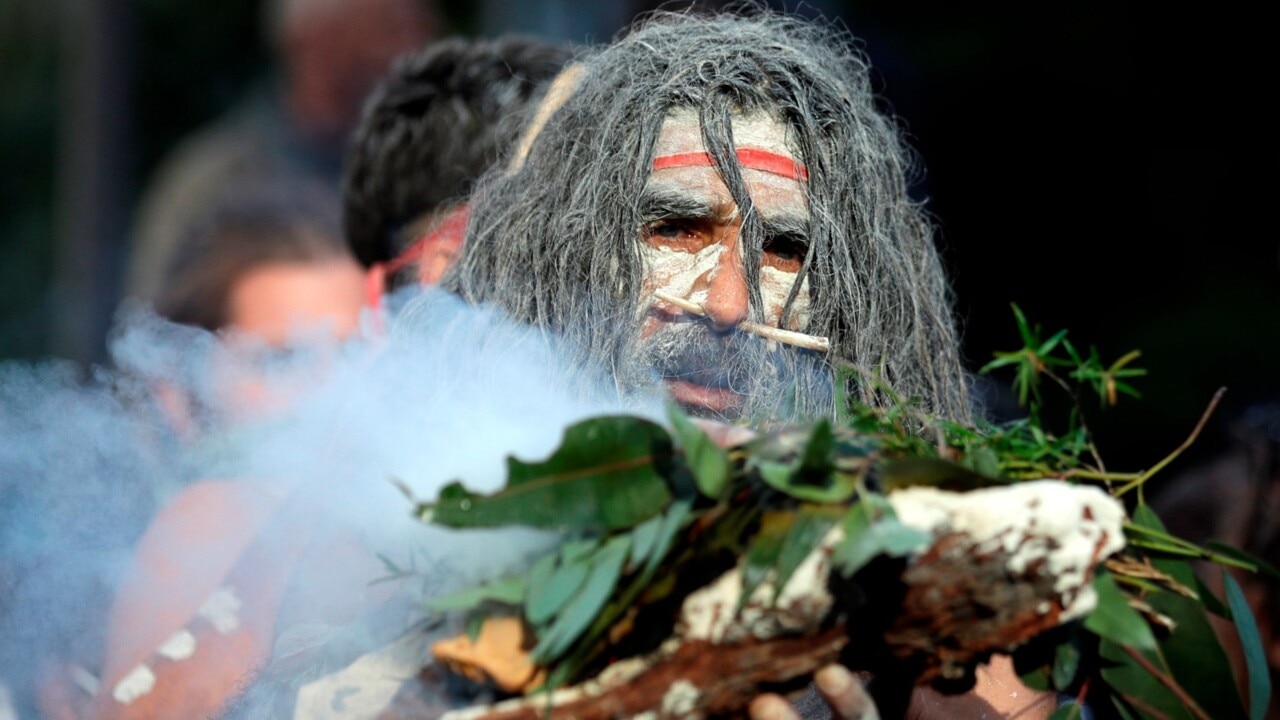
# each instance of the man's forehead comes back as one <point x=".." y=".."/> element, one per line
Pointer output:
<point x="681" y="133"/>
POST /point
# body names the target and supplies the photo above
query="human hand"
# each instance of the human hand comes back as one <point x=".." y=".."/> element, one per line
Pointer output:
<point x="842" y="690"/>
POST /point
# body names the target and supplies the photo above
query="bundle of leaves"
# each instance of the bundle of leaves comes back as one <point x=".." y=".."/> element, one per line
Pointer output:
<point x="651" y="514"/>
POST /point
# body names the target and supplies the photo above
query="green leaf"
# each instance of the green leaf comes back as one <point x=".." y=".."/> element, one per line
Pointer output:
<point x="819" y="454"/>
<point x="577" y="615"/>
<point x="509" y="591"/>
<point x="810" y="526"/>
<point x="672" y="521"/>
<point x="708" y="462"/>
<point x="601" y="478"/>
<point x="1254" y="562"/>
<point x="1196" y="658"/>
<point x="1114" y="620"/>
<point x="644" y="538"/>
<point x="1137" y="687"/>
<point x="762" y="554"/>
<point x="786" y="478"/>
<point x="904" y="472"/>
<point x="1211" y="601"/>
<point x="871" y="529"/>
<point x="1180" y="570"/>
<point x="1255" y="654"/>
<point x="1066" y="662"/>
<point x="551" y="592"/>
<point x="1071" y="711"/>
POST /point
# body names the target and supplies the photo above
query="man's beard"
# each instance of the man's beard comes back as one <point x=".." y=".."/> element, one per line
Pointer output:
<point x="774" y="383"/>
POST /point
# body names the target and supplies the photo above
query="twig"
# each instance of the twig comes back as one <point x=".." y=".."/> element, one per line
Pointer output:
<point x="1167" y="681"/>
<point x="801" y="340"/>
<point x="1195" y="433"/>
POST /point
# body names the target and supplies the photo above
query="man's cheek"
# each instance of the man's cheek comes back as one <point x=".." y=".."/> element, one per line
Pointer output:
<point x="775" y="285"/>
<point x="677" y="272"/>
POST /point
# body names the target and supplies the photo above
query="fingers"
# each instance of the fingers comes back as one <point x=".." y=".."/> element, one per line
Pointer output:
<point x="771" y="707"/>
<point x="844" y="692"/>
<point x="841" y="689"/>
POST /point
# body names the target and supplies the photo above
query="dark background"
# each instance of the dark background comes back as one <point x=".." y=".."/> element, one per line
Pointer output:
<point x="1108" y="166"/>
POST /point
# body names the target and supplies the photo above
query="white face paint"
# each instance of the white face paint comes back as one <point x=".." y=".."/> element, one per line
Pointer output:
<point x="686" y="251"/>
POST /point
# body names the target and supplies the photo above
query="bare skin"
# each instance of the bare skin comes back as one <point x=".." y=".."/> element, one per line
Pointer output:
<point x="278" y="306"/>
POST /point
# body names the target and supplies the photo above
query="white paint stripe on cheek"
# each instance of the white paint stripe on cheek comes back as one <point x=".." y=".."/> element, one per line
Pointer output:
<point x="775" y="284"/>
<point x="677" y="272"/>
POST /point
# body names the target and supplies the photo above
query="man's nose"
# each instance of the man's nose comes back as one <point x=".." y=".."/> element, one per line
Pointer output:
<point x="727" y="299"/>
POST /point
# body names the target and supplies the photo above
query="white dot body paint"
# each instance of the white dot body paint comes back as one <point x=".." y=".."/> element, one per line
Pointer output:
<point x="138" y="682"/>
<point x="180" y="646"/>
<point x="688" y="274"/>
<point x="222" y="609"/>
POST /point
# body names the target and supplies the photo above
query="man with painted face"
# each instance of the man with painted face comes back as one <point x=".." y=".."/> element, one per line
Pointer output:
<point x="704" y="183"/>
<point x="740" y="166"/>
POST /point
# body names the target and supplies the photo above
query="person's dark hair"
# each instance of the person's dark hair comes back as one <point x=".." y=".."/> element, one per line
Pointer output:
<point x="442" y="117"/>
<point x="277" y="221"/>
<point x="557" y="243"/>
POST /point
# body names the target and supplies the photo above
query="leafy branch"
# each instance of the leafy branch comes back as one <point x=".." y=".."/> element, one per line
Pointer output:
<point x="649" y="513"/>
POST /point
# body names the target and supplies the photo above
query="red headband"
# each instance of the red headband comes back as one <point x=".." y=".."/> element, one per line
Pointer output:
<point x="449" y="234"/>
<point x="750" y="158"/>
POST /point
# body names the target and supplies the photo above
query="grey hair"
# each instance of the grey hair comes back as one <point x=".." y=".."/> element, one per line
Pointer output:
<point x="557" y="243"/>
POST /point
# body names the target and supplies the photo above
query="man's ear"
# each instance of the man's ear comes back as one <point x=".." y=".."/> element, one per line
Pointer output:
<point x="436" y="259"/>
<point x="438" y="249"/>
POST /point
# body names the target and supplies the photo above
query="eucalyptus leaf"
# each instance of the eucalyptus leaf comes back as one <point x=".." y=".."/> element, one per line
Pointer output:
<point x="1137" y="687"/>
<point x="603" y="477"/>
<point x="787" y="478"/>
<point x="547" y="597"/>
<point x="1069" y="711"/>
<point x="762" y="553"/>
<point x="708" y="462"/>
<point x="1196" y="658"/>
<point x="871" y="529"/>
<point x="819" y="454"/>
<point x="643" y="539"/>
<point x="810" y="526"/>
<point x="1114" y="619"/>
<point x="1211" y="601"/>
<point x="1066" y="662"/>
<point x="672" y="521"/>
<point x="1178" y="569"/>
<point x="509" y="591"/>
<point x="1257" y="564"/>
<point x="905" y="472"/>
<point x="578" y="614"/>
<point x="1255" y="655"/>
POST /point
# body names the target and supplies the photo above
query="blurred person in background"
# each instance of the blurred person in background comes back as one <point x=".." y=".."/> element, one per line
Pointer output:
<point x="443" y="116"/>
<point x="329" y="54"/>
<point x="270" y="293"/>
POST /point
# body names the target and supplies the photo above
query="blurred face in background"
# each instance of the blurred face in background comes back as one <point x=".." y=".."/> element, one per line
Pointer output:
<point x="286" y="322"/>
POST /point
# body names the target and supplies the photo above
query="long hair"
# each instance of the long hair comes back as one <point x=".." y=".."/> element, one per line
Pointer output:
<point x="556" y="243"/>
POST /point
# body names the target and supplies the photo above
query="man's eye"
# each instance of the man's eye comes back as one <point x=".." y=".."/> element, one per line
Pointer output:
<point x="677" y="234"/>
<point x="666" y="229"/>
<point x="786" y="249"/>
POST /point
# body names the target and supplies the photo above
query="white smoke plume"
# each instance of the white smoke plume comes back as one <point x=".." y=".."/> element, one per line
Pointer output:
<point x="447" y="393"/>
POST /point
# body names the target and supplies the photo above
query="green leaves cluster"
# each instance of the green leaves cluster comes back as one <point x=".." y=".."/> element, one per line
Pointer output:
<point x="649" y="512"/>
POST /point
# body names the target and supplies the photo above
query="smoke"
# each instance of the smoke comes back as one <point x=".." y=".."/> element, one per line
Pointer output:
<point x="327" y="437"/>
